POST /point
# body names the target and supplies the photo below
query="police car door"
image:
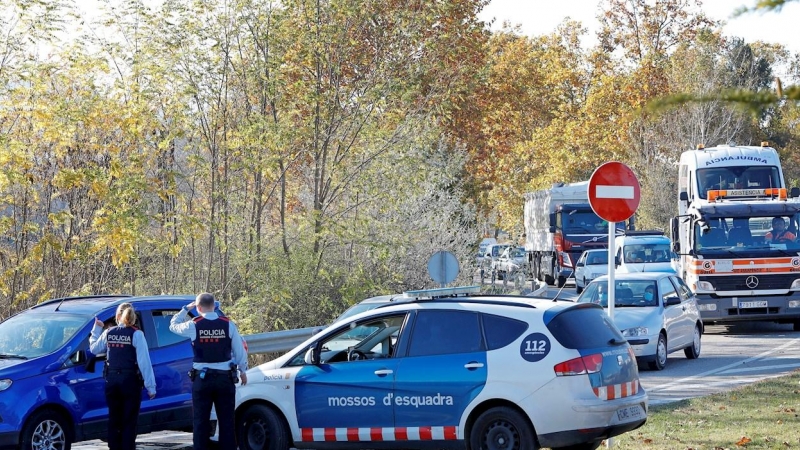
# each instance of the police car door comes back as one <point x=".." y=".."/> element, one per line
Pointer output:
<point x="355" y="376"/>
<point x="443" y="370"/>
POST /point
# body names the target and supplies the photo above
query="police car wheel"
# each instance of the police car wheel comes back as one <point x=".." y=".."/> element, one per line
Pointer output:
<point x="46" y="430"/>
<point x="502" y="428"/>
<point x="262" y="428"/>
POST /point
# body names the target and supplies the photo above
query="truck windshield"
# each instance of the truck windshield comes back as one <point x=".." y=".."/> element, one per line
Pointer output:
<point x="27" y="335"/>
<point x="763" y="235"/>
<point x="586" y="221"/>
<point x="738" y="177"/>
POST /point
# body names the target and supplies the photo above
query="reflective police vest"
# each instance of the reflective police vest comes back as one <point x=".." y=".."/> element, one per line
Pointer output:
<point x="212" y="342"/>
<point x="121" y="352"/>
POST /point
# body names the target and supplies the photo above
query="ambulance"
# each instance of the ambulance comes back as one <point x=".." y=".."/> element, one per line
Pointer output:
<point x="739" y="266"/>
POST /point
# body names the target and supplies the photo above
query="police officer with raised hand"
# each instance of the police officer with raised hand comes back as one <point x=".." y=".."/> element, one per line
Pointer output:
<point x="127" y="369"/>
<point x="219" y="361"/>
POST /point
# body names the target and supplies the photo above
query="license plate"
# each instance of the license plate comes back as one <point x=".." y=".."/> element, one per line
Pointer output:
<point x="758" y="304"/>
<point x="630" y="413"/>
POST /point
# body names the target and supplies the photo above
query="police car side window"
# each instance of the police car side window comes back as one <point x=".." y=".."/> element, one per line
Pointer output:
<point x="438" y="332"/>
<point x="501" y="331"/>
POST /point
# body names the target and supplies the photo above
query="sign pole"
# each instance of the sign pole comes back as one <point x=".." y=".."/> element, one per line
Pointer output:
<point x="614" y="196"/>
<point x="611" y="268"/>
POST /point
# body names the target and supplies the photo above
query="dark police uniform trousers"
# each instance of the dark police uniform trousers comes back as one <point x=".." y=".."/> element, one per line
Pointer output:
<point x="215" y="387"/>
<point x="123" y="389"/>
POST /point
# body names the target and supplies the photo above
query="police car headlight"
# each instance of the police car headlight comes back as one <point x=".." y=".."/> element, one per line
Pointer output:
<point x="635" y="331"/>
<point x="707" y="307"/>
<point x="795" y="284"/>
<point x="794" y="303"/>
<point x="5" y="384"/>
<point x="705" y="285"/>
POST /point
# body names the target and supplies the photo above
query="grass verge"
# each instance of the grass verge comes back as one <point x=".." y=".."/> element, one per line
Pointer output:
<point x="763" y="415"/>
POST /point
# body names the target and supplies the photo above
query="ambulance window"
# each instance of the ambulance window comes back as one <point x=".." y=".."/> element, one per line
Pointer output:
<point x="501" y="331"/>
<point x="438" y="332"/>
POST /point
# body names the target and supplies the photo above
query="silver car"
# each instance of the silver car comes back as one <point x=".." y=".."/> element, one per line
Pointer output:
<point x="655" y="311"/>
<point x="510" y="261"/>
<point x="591" y="264"/>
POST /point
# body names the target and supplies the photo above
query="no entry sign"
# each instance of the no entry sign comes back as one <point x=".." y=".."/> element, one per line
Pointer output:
<point x="614" y="192"/>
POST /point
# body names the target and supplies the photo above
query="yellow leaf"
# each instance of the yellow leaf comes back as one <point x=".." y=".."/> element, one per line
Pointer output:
<point x="743" y="441"/>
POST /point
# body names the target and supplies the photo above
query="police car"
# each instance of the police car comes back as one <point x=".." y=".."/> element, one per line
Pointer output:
<point x="52" y="386"/>
<point x="449" y="368"/>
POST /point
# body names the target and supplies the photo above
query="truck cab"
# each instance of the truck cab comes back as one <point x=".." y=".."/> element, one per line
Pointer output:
<point x="725" y="172"/>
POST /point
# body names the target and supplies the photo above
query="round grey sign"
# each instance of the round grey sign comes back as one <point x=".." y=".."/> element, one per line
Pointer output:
<point x="443" y="267"/>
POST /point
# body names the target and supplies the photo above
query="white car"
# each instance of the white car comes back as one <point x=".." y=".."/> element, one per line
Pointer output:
<point x="641" y="252"/>
<point x="591" y="264"/>
<point x="449" y="368"/>
<point x="510" y="261"/>
<point x="655" y="311"/>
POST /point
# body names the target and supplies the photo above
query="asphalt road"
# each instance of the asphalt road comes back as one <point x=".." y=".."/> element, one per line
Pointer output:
<point x="730" y="356"/>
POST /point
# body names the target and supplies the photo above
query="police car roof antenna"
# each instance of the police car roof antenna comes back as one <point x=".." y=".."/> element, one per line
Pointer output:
<point x="555" y="299"/>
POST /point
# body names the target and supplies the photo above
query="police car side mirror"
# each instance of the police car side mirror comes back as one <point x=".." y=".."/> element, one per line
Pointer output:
<point x="312" y="356"/>
<point x="616" y="261"/>
<point x="669" y="301"/>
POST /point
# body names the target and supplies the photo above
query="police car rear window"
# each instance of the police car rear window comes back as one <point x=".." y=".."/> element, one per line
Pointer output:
<point x="501" y="331"/>
<point x="582" y="328"/>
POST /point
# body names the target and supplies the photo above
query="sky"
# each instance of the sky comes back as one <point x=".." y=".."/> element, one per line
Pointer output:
<point x="538" y="17"/>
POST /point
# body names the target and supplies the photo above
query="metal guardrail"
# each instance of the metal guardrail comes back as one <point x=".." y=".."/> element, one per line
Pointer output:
<point x="285" y="340"/>
<point x="278" y="341"/>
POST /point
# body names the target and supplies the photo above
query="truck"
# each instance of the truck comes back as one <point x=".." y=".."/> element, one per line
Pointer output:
<point x="729" y="255"/>
<point x="559" y="225"/>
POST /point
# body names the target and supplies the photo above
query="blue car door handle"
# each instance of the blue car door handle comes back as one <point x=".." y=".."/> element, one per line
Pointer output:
<point x="473" y="365"/>
<point x="384" y="372"/>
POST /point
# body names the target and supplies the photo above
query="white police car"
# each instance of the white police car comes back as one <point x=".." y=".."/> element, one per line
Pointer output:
<point x="487" y="371"/>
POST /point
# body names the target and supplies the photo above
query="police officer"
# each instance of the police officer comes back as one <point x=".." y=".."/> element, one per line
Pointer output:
<point x="219" y="359"/>
<point x="127" y="369"/>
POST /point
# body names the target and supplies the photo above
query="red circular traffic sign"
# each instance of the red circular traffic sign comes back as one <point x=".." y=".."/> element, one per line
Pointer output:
<point x="614" y="192"/>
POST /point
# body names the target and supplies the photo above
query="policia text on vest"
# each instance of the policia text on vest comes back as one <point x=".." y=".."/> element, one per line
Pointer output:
<point x="127" y="371"/>
<point x="220" y="361"/>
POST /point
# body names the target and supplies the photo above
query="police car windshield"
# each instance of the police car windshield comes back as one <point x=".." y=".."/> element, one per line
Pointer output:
<point x="27" y="336"/>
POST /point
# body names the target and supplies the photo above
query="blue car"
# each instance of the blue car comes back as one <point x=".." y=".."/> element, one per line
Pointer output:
<point x="52" y="387"/>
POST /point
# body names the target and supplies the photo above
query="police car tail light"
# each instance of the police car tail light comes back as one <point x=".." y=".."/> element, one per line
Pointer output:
<point x="580" y="366"/>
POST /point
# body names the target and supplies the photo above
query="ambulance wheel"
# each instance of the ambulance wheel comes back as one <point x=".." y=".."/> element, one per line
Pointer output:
<point x="502" y="428"/>
<point x="45" y="430"/>
<point x="261" y="428"/>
